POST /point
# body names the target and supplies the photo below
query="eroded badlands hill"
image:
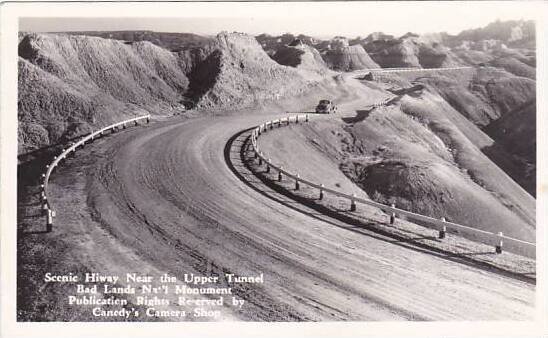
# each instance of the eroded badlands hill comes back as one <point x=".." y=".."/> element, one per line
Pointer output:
<point x="422" y="155"/>
<point x="339" y="55"/>
<point x="271" y="44"/>
<point x="506" y="44"/>
<point x="492" y="99"/>
<point x="514" y="33"/>
<point x="244" y="73"/>
<point x="300" y="55"/>
<point x="69" y="83"/>
<point x="410" y="50"/>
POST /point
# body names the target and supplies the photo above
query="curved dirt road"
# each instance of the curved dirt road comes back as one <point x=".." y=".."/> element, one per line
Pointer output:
<point x="167" y="201"/>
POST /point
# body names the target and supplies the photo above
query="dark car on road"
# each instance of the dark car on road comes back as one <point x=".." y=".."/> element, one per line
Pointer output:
<point x="326" y="107"/>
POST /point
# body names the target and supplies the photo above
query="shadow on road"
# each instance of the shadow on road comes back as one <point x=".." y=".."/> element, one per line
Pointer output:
<point x="360" y="116"/>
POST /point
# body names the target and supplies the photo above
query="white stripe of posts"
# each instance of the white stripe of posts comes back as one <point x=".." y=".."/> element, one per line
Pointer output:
<point x="50" y="214"/>
<point x="442" y="232"/>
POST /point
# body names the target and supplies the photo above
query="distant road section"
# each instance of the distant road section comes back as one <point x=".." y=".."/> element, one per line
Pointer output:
<point x="377" y="71"/>
<point x="399" y="70"/>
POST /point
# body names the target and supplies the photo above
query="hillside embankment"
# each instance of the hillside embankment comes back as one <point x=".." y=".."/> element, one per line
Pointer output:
<point x="503" y="106"/>
<point x="419" y="153"/>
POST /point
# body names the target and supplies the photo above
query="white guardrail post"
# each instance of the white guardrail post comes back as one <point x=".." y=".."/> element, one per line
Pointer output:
<point x="443" y="231"/>
<point x="46" y="207"/>
<point x="514" y="245"/>
<point x="498" y="247"/>
<point x="353" y="203"/>
<point x="49" y="225"/>
<point x="393" y="214"/>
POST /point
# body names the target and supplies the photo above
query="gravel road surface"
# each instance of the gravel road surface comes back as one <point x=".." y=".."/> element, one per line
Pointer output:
<point x="163" y="199"/>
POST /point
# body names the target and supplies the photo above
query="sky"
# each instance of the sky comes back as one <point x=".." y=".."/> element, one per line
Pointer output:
<point x="319" y="19"/>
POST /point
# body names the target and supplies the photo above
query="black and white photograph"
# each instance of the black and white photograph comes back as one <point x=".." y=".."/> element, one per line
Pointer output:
<point x="275" y="162"/>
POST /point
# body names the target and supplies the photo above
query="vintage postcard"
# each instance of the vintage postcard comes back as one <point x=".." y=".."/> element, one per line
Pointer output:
<point x="273" y="168"/>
